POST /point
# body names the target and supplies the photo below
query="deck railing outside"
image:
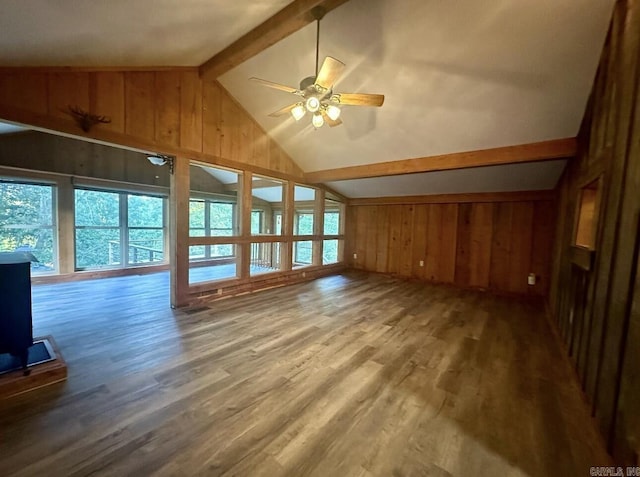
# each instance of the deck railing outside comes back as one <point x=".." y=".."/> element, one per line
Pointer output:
<point x="265" y="255"/>
<point x="139" y="251"/>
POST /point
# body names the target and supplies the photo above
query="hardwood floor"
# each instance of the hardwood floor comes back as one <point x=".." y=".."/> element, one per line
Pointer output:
<point x="349" y="375"/>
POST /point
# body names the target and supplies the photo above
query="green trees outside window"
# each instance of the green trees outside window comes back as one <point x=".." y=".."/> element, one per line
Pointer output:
<point x="211" y="218"/>
<point x="27" y="222"/>
<point x="331" y="227"/>
<point x="118" y="229"/>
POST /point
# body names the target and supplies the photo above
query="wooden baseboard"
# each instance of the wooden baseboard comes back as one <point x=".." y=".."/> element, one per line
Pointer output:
<point x="230" y="288"/>
<point x="45" y="374"/>
<point x="523" y="296"/>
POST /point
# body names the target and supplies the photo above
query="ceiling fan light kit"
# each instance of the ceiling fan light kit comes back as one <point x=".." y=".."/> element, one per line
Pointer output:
<point x="317" y="120"/>
<point x="317" y="91"/>
<point x="333" y="112"/>
<point x="312" y="104"/>
<point x="298" y="112"/>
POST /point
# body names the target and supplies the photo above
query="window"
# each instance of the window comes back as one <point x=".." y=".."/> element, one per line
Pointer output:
<point x="277" y="222"/>
<point x="97" y="218"/>
<point x="332" y="216"/>
<point x="117" y="229"/>
<point x="145" y="229"/>
<point x="205" y="271"/>
<point x="303" y="252"/>
<point x="304" y="223"/>
<point x="213" y="212"/>
<point x="257" y="221"/>
<point x="27" y="222"/>
<point x="332" y="213"/>
<point x="267" y="195"/>
<point x="329" y="252"/>
<point x="265" y="258"/>
<point x="211" y="218"/>
<point x="304" y="204"/>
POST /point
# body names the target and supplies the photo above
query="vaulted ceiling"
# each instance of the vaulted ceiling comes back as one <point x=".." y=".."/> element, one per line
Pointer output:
<point x="457" y="76"/>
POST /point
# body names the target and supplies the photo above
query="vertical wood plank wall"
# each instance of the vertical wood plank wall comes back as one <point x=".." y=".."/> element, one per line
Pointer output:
<point x="169" y="111"/>
<point x="491" y="245"/>
<point x="597" y="307"/>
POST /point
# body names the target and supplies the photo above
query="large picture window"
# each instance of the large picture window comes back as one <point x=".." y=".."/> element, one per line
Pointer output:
<point x="118" y="229"/>
<point x="27" y="221"/>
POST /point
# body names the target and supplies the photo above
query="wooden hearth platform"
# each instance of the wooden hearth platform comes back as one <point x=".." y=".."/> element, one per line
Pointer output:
<point x="43" y="374"/>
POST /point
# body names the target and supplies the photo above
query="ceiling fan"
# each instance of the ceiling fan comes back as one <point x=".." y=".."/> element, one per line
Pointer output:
<point x="316" y="92"/>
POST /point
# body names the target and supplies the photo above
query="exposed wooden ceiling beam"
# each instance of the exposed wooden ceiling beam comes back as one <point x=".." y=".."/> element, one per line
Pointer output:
<point x="539" y="151"/>
<point x="290" y="19"/>
<point x="476" y="197"/>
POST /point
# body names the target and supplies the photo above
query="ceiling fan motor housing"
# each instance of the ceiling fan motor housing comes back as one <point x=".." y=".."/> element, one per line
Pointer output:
<point x="308" y="81"/>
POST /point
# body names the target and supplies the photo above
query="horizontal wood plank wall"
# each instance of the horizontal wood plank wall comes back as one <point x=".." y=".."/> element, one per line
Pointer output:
<point x="170" y="111"/>
<point x="596" y="310"/>
<point x="36" y="151"/>
<point x="491" y="245"/>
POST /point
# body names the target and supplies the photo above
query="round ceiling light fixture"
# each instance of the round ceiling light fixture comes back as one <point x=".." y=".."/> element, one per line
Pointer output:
<point x="312" y="104"/>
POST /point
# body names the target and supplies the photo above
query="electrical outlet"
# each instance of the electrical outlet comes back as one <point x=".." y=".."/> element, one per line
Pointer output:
<point x="422" y="263"/>
<point x="355" y="256"/>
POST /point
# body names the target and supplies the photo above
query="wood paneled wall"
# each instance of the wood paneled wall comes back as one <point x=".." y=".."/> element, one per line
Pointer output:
<point x="492" y="245"/>
<point x="595" y="295"/>
<point x="170" y="111"/>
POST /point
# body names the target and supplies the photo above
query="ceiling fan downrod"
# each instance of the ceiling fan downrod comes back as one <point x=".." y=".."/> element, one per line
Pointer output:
<point x="318" y="12"/>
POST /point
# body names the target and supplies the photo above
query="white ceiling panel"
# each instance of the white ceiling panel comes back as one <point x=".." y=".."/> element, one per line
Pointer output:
<point x="457" y="76"/>
<point x="504" y="178"/>
<point x="124" y="32"/>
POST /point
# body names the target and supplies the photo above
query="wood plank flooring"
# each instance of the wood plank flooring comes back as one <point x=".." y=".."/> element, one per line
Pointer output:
<point x="349" y="375"/>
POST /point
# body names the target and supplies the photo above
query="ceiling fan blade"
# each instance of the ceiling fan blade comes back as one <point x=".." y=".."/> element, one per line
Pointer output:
<point x="329" y="73"/>
<point x="283" y="111"/>
<point x="332" y="123"/>
<point x="360" y="99"/>
<point x="271" y="84"/>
